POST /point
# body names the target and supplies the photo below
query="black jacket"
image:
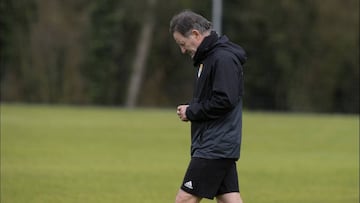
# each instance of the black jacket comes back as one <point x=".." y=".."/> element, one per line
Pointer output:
<point x="215" y="111"/>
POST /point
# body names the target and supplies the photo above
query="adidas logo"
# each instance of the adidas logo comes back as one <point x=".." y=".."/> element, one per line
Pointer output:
<point x="188" y="185"/>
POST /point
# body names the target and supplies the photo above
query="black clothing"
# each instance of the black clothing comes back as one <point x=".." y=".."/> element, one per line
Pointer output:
<point x="215" y="111"/>
<point x="209" y="178"/>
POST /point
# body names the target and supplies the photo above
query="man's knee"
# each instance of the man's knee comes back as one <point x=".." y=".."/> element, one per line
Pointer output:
<point x="184" y="197"/>
<point x="233" y="197"/>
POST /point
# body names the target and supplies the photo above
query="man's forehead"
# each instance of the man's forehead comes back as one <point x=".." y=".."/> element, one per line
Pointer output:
<point x="179" y="37"/>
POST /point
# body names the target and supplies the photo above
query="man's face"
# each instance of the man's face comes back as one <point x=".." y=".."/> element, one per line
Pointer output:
<point x="189" y="44"/>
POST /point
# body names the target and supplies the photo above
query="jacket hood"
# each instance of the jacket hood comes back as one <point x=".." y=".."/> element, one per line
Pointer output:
<point x="212" y="43"/>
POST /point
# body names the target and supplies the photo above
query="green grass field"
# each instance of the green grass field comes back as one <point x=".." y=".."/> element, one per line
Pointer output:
<point x="59" y="154"/>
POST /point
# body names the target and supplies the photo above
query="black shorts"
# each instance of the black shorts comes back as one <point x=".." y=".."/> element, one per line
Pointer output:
<point x="209" y="178"/>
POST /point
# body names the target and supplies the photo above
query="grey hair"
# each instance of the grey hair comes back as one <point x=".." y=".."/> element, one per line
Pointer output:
<point x="187" y="20"/>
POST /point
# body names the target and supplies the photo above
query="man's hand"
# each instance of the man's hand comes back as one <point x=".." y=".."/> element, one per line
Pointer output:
<point x="181" y="112"/>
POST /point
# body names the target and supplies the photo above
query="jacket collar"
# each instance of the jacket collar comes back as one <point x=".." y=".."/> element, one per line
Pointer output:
<point x="206" y="45"/>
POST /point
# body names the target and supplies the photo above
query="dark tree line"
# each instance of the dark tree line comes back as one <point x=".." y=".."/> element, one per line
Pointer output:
<point x="303" y="54"/>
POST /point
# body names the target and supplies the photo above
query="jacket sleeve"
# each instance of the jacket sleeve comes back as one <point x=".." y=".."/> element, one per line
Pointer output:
<point x="225" y="91"/>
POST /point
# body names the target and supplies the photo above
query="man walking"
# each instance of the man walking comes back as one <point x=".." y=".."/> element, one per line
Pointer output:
<point x="215" y="111"/>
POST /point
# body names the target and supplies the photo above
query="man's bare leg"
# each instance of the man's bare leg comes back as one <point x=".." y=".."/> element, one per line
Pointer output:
<point x="233" y="197"/>
<point x="184" y="197"/>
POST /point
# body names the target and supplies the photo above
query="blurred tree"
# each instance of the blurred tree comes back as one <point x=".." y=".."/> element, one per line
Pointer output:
<point x="42" y="51"/>
<point x="56" y="50"/>
<point x="291" y="67"/>
<point x="335" y="64"/>
<point x="142" y="52"/>
<point x="15" y="61"/>
<point x="303" y="54"/>
<point x="110" y="45"/>
<point x="276" y="48"/>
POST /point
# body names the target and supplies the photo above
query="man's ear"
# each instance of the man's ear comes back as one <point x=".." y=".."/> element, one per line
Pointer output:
<point x="197" y="35"/>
